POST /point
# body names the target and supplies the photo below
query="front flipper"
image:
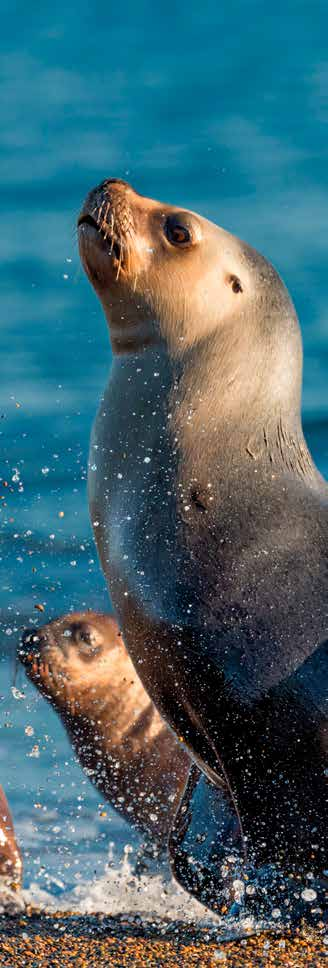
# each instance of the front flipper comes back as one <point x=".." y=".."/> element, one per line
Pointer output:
<point x="207" y="857"/>
<point x="205" y="843"/>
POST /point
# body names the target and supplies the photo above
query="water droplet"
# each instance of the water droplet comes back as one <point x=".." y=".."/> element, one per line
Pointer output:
<point x="309" y="894"/>
<point x="35" y="753"/>
<point x="16" y="693"/>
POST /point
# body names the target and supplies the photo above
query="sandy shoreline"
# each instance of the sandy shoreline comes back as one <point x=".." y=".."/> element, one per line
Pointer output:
<point x="37" y="940"/>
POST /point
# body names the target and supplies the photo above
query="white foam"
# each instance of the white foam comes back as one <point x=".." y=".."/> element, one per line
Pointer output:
<point x="119" y="891"/>
<point x="150" y="897"/>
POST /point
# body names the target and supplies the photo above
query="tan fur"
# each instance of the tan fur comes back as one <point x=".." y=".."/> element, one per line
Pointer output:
<point x="177" y="287"/>
<point x="158" y="294"/>
<point x="117" y="733"/>
<point x="11" y="867"/>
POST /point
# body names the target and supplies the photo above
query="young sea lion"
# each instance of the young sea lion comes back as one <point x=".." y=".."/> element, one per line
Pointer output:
<point x="211" y="519"/>
<point x="80" y="664"/>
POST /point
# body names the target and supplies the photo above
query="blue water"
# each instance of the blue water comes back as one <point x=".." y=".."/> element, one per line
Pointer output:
<point x="219" y="107"/>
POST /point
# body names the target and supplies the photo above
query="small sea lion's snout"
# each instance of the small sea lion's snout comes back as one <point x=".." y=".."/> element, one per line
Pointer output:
<point x="69" y="644"/>
<point x="32" y="653"/>
<point x="30" y="645"/>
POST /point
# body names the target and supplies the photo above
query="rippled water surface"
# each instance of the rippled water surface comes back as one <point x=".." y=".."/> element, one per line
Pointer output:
<point x="219" y="107"/>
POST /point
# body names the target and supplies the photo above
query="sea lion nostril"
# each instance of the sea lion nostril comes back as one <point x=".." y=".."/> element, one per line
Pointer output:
<point x="30" y="638"/>
<point x="113" y="181"/>
<point x="87" y="219"/>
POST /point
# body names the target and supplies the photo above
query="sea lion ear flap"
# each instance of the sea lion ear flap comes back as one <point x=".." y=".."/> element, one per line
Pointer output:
<point x="206" y="831"/>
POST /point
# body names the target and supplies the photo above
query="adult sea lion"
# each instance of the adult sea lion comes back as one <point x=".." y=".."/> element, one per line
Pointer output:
<point x="211" y="522"/>
<point x="80" y="664"/>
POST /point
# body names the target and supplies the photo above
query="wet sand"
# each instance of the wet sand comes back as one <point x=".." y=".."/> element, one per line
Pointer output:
<point x="39" y="940"/>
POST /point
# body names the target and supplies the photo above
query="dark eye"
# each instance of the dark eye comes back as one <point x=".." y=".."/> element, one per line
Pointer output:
<point x="81" y="633"/>
<point x="236" y="285"/>
<point x="176" y="232"/>
<point x="86" y="637"/>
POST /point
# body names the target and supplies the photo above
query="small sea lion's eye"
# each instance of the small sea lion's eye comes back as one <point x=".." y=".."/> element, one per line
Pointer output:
<point x="85" y="635"/>
<point x="176" y="232"/>
<point x="81" y="633"/>
<point x="236" y="285"/>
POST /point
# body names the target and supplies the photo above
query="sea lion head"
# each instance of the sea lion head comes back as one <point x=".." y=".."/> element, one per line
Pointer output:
<point x="168" y="276"/>
<point x="148" y="260"/>
<point x="80" y="664"/>
<point x="76" y="661"/>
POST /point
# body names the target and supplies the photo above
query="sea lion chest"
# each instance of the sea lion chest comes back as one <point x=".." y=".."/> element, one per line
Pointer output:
<point x="132" y="484"/>
<point x="241" y="587"/>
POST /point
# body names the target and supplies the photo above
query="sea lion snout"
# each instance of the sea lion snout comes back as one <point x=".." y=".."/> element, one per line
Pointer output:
<point x="31" y="644"/>
<point x="109" y="182"/>
<point x="75" y="638"/>
<point x="36" y="643"/>
<point x="107" y="207"/>
<point x="105" y="225"/>
<point x="32" y="652"/>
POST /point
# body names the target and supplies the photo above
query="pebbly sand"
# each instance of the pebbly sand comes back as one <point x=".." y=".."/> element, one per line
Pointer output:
<point x="35" y="940"/>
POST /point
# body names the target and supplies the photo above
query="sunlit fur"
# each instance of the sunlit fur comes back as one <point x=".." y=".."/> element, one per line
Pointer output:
<point x="247" y="343"/>
<point x="209" y="515"/>
<point x="118" y="735"/>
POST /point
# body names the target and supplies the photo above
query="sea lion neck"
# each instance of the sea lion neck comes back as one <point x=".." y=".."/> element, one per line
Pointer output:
<point x="227" y="401"/>
<point x="240" y="395"/>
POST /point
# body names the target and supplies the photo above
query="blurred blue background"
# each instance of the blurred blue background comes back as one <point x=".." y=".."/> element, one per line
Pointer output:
<point x="219" y="107"/>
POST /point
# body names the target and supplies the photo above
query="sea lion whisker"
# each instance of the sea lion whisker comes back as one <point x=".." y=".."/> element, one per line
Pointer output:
<point x="104" y="224"/>
<point x="100" y="210"/>
<point x="119" y="261"/>
<point x="112" y="233"/>
<point x="128" y="259"/>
